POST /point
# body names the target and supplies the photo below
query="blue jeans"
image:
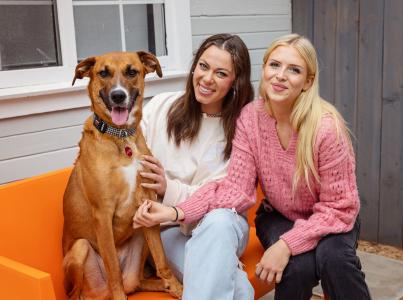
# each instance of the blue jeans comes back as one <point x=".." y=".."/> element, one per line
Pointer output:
<point x="208" y="262"/>
<point x="333" y="261"/>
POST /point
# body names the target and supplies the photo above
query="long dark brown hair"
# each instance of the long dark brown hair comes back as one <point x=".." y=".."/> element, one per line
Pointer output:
<point x="184" y="116"/>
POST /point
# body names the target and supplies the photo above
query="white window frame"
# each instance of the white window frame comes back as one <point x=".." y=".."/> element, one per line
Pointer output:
<point x="16" y="83"/>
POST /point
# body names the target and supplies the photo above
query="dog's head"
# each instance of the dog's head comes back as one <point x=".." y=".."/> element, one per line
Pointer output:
<point x="116" y="85"/>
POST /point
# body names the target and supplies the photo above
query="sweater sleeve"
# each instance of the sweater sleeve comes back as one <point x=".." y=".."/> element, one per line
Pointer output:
<point x="338" y="204"/>
<point x="237" y="189"/>
<point x="177" y="191"/>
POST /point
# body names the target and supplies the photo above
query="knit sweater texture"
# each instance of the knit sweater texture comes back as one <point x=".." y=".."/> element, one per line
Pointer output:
<point x="257" y="155"/>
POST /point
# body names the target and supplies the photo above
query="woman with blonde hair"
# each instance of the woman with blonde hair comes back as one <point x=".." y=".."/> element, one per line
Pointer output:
<point x="298" y="147"/>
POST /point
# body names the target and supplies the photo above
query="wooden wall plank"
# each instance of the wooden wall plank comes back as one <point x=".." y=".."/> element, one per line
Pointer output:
<point x="369" y="93"/>
<point x="28" y="166"/>
<point x="240" y="24"/>
<point x="256" y="56"/>
<point x="39" y="142"/>
<point x="45" y="121"/>
<point x="390" y="218"/>
<point x="325" y="16"/>
<point x="346" y="62"/>
<point x="256" y="40"/>
<point x="302" y="17"/>
<point x="239" y="7"/>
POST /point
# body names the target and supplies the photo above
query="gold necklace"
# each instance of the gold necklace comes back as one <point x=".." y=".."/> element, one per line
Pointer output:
<point x="216" y="115"/>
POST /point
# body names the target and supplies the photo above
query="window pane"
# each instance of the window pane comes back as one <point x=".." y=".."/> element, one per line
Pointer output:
<point x="145" y="28"/>
<point x="29" y="36"/>
<point x="97" y="29"/>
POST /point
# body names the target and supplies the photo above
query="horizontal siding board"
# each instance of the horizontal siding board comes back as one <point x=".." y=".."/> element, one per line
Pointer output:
<point x="240" y="24"/>
<point x="41" y="122"/>
<point x="256" y="56"/>
<point x="39" y="142"/>
<point x="28" y="166"/>
<point x="239" y="7"/>
<point x="257" y="40"/>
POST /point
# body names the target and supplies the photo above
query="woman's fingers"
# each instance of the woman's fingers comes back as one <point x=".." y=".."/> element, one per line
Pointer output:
<point x="152" y="176"/>
<point x="153" y="167"/>
<point x="279" y="275"/>
<point x="263" y="275"/>
<point x="152" y="159"/>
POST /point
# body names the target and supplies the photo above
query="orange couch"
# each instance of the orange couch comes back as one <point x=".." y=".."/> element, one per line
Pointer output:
<point x="31" y="221"/>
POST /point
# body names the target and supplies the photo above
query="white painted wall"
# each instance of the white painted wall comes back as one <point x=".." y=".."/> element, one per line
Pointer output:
<point x="41" y="132"/>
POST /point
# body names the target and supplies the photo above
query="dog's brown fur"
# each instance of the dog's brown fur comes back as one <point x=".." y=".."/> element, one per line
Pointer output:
<point x="103" y="255"/>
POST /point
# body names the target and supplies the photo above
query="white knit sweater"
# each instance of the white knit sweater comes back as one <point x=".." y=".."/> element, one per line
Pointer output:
<point x="190" y="165"/>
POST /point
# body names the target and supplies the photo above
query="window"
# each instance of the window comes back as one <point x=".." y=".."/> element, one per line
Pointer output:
<point x="39" y="48"/>
<point x="41" y="41"/>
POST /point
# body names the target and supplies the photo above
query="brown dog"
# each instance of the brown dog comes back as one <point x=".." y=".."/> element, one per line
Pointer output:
<point x="103" y="255"/>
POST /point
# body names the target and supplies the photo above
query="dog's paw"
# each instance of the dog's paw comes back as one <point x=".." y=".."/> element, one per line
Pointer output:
<point x="175" y="288"/>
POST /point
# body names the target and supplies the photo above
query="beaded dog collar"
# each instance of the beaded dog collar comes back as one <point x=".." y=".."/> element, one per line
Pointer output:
<point x="103" y="127"/>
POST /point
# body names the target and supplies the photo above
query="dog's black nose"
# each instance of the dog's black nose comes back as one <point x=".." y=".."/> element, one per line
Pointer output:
<point x="118" y="96"/>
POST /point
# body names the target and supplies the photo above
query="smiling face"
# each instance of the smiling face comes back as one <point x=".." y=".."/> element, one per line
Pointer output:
<point x="285" y="76"/>
<point x="213" y="77"/>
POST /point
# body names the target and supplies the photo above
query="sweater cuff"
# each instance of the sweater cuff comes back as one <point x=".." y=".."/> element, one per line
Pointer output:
<point x="171" y="193"/>
<point x="297" y="242"/>
<point x="192" y="212"/>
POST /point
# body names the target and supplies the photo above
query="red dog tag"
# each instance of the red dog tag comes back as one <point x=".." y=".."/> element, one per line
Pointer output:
<point x="128" y="151"/>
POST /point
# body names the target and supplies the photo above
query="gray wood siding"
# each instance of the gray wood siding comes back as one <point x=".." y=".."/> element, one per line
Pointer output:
<point x="360" y="50"/>
<point x="257" y="22"/>
<point x="32" y="143"/>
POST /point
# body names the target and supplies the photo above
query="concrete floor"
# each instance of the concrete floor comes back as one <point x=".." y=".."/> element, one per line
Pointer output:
<point x="383" y="275"/>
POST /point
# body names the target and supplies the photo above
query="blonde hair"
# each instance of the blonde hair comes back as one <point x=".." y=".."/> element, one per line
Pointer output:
<point x="308" y="109"/>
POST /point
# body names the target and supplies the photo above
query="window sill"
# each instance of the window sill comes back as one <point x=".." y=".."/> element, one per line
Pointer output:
<point x="66" y="87"/>
<point x="35" y="99"/>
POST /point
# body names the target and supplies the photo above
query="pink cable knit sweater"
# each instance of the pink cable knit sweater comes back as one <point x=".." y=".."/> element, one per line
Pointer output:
<point x="257" y="153"/>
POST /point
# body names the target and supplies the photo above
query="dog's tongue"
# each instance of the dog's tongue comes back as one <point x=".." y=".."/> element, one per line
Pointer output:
<point x="119" y="115"/>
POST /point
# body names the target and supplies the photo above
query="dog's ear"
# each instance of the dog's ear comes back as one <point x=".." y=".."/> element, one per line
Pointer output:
<point x="83" y="68"/>
<point x="150" y="62"/>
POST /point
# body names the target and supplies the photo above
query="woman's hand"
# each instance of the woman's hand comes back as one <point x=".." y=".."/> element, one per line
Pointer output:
<point x="151" y="213"/>
<point x="157" y="174"/>
<point x="273" y="262"/>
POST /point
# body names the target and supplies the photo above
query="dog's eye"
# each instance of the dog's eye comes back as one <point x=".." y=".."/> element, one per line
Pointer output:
<point x="132" y="72"/>
<point x="104" y="73"/>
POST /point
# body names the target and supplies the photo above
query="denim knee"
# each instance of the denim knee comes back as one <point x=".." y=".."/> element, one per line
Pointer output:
<point x="218" y="221"/>
<point x="224" y="225"/>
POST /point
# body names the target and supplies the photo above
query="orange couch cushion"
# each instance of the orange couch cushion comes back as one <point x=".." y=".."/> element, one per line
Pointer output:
<point x="31" y="223"/>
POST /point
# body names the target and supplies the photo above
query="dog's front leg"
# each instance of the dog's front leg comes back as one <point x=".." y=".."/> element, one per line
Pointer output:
<point x="107" y="250"/>
<point x="153" y="238"/>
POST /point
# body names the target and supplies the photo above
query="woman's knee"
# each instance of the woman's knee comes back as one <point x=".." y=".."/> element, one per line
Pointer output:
<point x="335" y="258"/>
<point x="219" y="222"/>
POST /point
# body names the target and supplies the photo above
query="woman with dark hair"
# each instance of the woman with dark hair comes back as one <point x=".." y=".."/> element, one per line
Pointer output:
<point x="190" y="135"/>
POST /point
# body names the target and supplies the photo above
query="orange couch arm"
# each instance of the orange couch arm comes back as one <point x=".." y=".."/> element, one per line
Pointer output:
<point x="19" y="281"/>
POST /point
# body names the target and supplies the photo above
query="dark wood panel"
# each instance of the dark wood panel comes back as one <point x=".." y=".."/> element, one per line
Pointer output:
<point x="345" y="94"/>
<point x="325" y="20"/>
<point x="390" y="219"/>
<point x="302" y="18"/>
<point x="369" y="109"/>
<point x="360" y="51"/>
